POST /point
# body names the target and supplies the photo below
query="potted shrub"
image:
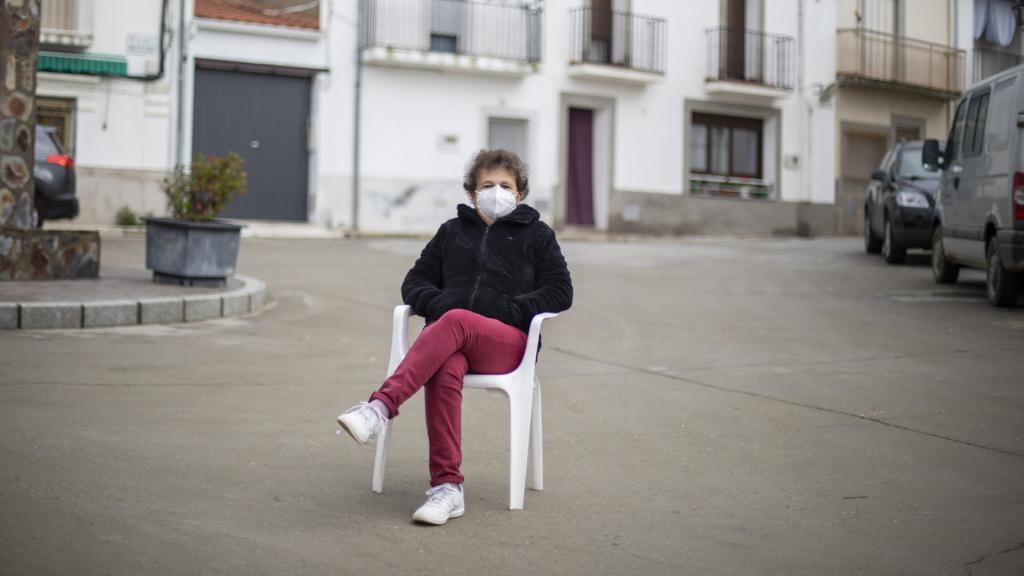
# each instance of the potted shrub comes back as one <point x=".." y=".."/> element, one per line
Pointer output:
<point x="192" y="246"/>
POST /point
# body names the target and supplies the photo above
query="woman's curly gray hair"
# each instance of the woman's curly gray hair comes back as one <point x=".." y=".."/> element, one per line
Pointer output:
<point x="488" y="159"/>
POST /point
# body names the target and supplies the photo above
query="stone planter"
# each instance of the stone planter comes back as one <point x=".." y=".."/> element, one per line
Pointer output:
<point x="191" y="253"/>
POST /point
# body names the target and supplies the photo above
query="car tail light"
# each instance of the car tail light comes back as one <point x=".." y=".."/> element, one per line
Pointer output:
<point x="68" y="162"/>
<point x="1018" y="197"/>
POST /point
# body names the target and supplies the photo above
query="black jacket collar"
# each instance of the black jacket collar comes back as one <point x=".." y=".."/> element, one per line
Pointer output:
<point x="522" y="214"/>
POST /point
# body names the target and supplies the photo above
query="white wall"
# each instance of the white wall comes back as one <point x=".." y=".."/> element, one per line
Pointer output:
<point x="120" y="122"/>
<point x="122" y="126"/>
<point x="407" y="112"/>
<point x="411" y="178"/>
<point x="820" y="23"/>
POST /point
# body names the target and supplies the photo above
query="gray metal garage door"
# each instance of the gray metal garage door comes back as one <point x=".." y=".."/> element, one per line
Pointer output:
<point x="263" y="117"/>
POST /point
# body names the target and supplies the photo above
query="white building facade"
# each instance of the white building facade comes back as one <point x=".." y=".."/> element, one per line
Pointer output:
<point x="660" y="116"/>
<point x="101" y="85"/>
<point x="650" y="115"/>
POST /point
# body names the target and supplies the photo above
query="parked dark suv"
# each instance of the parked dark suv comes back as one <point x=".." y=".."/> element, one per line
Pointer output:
<point x="899" y="204"/>
<point x="55" y="178"/>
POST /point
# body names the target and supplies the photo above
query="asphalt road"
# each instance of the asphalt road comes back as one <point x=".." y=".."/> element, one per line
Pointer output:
<point x="711" y="407"/>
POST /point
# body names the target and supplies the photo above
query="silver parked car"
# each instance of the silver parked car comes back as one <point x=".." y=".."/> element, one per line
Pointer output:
<point x="979" y="215"/>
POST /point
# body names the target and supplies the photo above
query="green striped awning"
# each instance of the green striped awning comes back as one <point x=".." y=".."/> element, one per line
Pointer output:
<point x="95" y="64"/>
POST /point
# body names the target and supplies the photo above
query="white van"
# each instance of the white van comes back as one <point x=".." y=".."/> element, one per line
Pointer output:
<point x="979" y="213"/>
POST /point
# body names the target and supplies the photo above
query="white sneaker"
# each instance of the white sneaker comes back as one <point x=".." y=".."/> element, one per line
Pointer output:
<point x="443" y="502"/>
<point x="363" y="422"/>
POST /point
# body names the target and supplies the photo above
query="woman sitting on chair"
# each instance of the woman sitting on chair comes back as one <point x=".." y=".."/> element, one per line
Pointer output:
<point x="478" y="282"/>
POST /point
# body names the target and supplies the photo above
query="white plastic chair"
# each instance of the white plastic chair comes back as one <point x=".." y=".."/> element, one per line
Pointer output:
<point x="523" y="391"/>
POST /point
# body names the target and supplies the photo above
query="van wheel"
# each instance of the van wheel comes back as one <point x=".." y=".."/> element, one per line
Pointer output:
<point x="944" y="271"/>
<point x="893" y="252"/>
<point x="872" y="243"/>
<point x="1002" y="286"/>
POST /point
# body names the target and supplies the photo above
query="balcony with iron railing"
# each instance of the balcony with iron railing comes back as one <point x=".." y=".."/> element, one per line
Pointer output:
<point x="65" y="24"/>
<point x="749" y="63"/>
<point x="467" y="35"/>
<point x="878" y="59"/>
<point x="617" y="46"/>
<point x="990" y="61"/>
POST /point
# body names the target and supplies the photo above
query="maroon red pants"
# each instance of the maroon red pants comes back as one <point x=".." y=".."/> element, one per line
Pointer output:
<point x="459" y="342"/>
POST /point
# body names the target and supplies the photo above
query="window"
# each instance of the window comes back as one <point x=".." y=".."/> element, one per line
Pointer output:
<point x="956" y="134"/>
<point x="910" y="165"/>
<point x="445" y="25"/>
<point x="510" y="134"/>
<point x="975" y="127"/>
<point x="997" y="134"/>
<point x="746" y="151"/>
<point x="903" y="132"/>
<point x="699" y="148"/>
<point x="719" y="152"/>
<point x="726" y="145"/>
<point x="46" y="145"/>
<point x="58" y="113"/>
<point x="886" y="164"/>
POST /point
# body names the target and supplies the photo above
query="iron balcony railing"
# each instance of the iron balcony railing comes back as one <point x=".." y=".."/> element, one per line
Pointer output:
<point x="881" y="57"/>
<point x="750" y="56"/>
<point x="505" y="31"/>
<point x="989" y="62"/>
<point x="617" y="39"/>
<point x="59" y="15"/>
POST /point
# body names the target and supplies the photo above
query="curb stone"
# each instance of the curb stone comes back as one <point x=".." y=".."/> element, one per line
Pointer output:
<point x="161" y="311"/>
<point x="45" y="315"/>
<point x="110" y="313"/>
<point x="249" y="299"/>
<point x="8" y="316"/>
<point x="202" y="307"/>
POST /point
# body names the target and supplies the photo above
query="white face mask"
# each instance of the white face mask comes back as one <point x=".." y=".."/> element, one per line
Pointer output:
<point x="495" y="202"/>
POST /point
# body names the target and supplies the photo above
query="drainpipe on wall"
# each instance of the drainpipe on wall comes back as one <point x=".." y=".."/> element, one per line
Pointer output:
<point x="805" y="151"/>
<point x="182" y="59"/>
<point x="968" y="62"/>
<point x="356" y="114"/>
<point x="163" y="45"/>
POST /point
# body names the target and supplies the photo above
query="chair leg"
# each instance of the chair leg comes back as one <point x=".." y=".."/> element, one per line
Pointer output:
<point x="380" y="462"/>
<point x="519" y="419"/>
<point x="537" y="440"/>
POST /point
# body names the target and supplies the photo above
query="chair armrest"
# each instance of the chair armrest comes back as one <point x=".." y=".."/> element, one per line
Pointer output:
<point x="399" y="336"/>
<point x="533" y="340"/>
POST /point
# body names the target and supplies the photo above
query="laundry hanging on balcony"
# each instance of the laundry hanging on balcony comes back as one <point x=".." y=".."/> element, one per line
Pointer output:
<point x="995" y="20"/>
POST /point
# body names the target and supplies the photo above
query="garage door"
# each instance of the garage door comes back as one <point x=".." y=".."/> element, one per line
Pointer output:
<point x="263" y="117"/>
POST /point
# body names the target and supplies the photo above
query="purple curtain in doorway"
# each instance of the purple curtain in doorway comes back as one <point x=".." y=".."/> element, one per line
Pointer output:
<point x="580" y="197"/>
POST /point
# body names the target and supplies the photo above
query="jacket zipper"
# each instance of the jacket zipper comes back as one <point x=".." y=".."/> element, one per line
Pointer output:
<point x="476" y="285"/>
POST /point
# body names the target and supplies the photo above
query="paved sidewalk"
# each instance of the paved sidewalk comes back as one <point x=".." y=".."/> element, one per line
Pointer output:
<point x="115" y="283"/>
<point x="713" y="407"/>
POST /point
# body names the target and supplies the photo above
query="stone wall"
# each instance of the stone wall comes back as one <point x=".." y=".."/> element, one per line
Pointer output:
<point x="684" y="214"/>
<point x="19" y="51"/>
<point x="49" y="254"/>
<point x="27" y="253"/>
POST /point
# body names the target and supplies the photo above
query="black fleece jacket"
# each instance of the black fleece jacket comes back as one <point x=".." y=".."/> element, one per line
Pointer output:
<point x="509" y="271"/>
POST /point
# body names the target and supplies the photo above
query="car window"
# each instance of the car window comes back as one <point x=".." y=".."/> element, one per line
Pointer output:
<point x="975" y="126"/>
<point x="997" y="133"/>
<point x="46" y="145"/>
<point x="890" y="163"/>
<point x="886" y="162"/>
<point x="956" y="134"/>
<point x="910" y="166"/>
